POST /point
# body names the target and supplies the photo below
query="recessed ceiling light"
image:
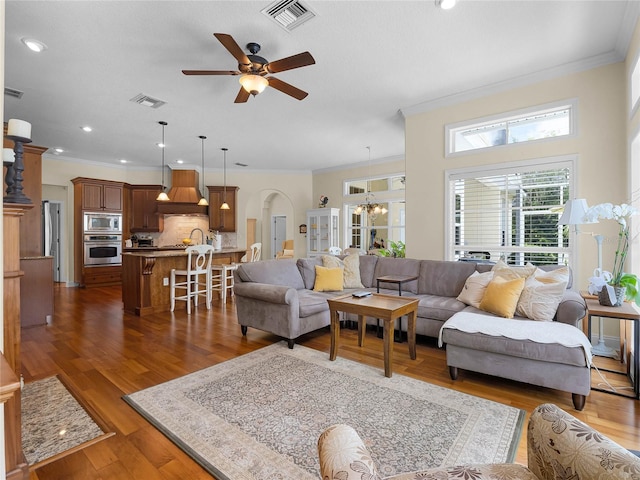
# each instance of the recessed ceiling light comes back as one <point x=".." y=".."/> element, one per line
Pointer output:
<point x="58" y="150"/>
<point x="87" y="128"/>
<point x="123" y="160"/>
<point x="161" y="145"/>
<point x="180" y="161"/>
<point x="446" y="4"/>
<point x="34" y="45"/>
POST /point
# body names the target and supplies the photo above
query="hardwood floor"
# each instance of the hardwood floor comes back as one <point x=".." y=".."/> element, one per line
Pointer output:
<point x="105" y="353"/>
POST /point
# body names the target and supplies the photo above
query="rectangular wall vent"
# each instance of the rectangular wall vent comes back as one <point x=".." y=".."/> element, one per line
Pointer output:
<point x="12" y="92"/>
<point x="147" y="101"/>
<point x="289" y="14"/>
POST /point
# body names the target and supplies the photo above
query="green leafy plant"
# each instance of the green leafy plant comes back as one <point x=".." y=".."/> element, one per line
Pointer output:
<point x="396" y="250"/>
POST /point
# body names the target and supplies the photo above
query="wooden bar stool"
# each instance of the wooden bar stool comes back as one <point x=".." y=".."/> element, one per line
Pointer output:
<point x="222" y="279"/>
<point x="195" y="281"/>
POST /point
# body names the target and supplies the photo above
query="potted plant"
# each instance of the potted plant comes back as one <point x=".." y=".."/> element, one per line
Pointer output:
<point x="396" y="250"/>
<point x="620" y="280"/>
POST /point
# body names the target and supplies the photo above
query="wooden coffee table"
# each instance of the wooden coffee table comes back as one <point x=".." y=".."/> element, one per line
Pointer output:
<point x="385" y="307"/>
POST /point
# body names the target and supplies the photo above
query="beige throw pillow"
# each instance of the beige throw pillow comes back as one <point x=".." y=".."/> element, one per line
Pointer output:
<point x="509" y="272"/>
<point x="474" y="288"/>
<point x="350" y="266"/>
<point x="542" y="294"/>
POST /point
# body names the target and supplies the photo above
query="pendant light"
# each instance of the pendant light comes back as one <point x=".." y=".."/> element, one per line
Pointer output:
<point x="203" y="201"/>
<point x="162" y="197"/>
<point x="225" y="205"/>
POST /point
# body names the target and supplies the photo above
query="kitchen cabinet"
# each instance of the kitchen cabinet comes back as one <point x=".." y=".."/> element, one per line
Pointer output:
<point x="222" y="220"/>
<point x="98" y="195"/>
<point x="322" y="230"/>
<point x="143" y="212"/>
<point x="93" y="195"/>
<point x="37" y="282"/>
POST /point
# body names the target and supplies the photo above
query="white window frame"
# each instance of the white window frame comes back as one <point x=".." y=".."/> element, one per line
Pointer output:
<point x="451" y="129"/>
<point x="558" y="162"/>
<point x="634" y="86"/>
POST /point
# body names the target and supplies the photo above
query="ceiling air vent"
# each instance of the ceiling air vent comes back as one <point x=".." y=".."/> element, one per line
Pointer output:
<point x="147" y="101"/>
<point x="12" y="92"/>
<point x="289" y="14"/>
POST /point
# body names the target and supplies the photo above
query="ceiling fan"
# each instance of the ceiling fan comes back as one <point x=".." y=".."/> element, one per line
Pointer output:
<point x="254" y="70"/>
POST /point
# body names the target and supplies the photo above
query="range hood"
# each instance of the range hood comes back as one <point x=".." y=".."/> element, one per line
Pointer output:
<point x="184" y="195"/>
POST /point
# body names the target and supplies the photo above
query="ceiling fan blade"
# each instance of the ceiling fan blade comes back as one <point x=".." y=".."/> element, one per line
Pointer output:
<point x="242" y="97"/>
<point x="210" y="72"/>
<point x="284" y="87"/>
<point x="234" y="49"/>
<point x="295" y="61"/>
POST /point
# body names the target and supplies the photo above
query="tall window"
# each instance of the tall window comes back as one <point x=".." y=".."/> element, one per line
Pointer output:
<point x="510" y="213"/>
<point x="536" y="123"/>
<point x="366" y="230"/>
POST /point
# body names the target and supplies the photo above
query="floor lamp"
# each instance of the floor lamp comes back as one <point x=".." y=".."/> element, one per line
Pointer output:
<point x="573" y="214"/>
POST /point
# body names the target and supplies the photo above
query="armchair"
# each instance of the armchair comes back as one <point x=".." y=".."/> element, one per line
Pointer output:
<point x="558" y="446"/>
<point x="287" y="250"/>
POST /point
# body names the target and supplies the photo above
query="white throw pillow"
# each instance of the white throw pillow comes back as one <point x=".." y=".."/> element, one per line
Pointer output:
<point x="474" y="288"/>
<point x="542" y="294"/>
<point x="510" y="272"/>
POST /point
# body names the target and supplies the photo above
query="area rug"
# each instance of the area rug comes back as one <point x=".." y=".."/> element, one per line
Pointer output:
<point x="259" y="416"/>
<point x="54" y="424"/>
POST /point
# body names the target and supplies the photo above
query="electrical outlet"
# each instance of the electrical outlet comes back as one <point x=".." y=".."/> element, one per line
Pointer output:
<point x="165" y="281"/>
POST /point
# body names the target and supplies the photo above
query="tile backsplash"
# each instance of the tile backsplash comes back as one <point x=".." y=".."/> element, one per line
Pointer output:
<point x="177" y="227"/>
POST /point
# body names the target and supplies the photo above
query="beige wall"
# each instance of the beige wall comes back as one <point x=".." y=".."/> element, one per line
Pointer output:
<point x="600" y="145"/>
<point x="259" y="193"/>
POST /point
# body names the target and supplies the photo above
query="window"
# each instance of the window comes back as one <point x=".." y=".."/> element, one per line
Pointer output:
<point x="369" y="230"/>
<point x="510" y="213"/>
<point x="524" y="126"/>
<point x="635" y="84"/>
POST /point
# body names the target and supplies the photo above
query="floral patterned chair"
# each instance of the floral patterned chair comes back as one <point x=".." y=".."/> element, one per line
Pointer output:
<point x="559" y="446"/>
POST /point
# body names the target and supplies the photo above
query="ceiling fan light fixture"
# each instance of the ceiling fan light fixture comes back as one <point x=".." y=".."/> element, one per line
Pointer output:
<point x="254" y="84"/>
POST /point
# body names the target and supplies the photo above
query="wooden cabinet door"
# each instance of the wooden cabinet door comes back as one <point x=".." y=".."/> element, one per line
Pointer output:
<point x="112" y="198"/>
<point x="222" y="220"/>
<point x="144" y="211"/>
<point x="92" y="196"/>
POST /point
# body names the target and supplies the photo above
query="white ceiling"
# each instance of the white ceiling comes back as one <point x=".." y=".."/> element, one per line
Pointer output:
<point x="374" y="59"/>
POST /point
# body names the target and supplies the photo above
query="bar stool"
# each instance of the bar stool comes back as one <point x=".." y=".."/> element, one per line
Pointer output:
<point x="222" y="279"/>
<point x="198" y="264"/>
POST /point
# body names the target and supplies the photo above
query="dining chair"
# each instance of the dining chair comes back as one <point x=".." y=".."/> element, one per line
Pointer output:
<point x="195" y="281"/>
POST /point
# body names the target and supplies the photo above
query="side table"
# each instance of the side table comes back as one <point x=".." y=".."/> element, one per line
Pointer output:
<point x="627" y="312"/>
<point x="399" y="280"/>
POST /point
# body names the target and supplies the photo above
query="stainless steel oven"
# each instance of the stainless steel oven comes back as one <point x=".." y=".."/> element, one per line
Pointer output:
<point x="102" y="222"/>
<point x="102" y="249"/>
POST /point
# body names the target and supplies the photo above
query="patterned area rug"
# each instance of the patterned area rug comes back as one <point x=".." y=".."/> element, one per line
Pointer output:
<point x="259" y="416"/>
<point x="54" y="424"/>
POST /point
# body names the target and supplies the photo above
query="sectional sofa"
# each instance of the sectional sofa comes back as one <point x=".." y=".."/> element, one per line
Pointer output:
<point x="279" y="297"/>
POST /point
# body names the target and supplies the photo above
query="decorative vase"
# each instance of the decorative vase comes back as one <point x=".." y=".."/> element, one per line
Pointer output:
<point x="611" y="296"/>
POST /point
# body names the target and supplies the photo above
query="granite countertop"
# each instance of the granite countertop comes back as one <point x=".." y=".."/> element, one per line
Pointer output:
<point x="158" y="253"/>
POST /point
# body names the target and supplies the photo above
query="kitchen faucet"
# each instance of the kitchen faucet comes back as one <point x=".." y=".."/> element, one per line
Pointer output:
<point x="202" y="242"/>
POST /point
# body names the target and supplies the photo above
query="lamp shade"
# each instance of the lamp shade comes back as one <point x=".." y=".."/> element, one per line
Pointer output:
<point x="254" y="84"/>
<point x="574" y="212"/>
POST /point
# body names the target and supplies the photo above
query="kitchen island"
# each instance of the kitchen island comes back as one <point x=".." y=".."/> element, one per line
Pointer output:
<point x="146" y="273"/>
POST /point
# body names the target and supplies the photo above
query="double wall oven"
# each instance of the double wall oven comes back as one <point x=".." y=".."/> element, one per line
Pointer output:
<point x="102" y="239"/>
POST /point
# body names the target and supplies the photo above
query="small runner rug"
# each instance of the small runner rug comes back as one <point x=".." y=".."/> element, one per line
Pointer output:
<point x="259" y="416"/>
<point x="54" y="424"/>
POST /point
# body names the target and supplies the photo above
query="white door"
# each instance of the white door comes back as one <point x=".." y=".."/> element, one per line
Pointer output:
<point x="278" y="233"/>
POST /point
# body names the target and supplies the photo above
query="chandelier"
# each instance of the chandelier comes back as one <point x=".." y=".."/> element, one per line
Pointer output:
<point x="370" y="205"/>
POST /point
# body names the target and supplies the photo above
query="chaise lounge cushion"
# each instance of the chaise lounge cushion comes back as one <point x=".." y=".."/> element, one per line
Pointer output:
<point x="439" y="308"/>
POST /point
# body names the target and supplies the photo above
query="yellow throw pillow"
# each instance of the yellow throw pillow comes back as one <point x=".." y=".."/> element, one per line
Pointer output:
<point x="328" y="279"/>
<point x="501" y="296"/>
<point x="351" y="266"/>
